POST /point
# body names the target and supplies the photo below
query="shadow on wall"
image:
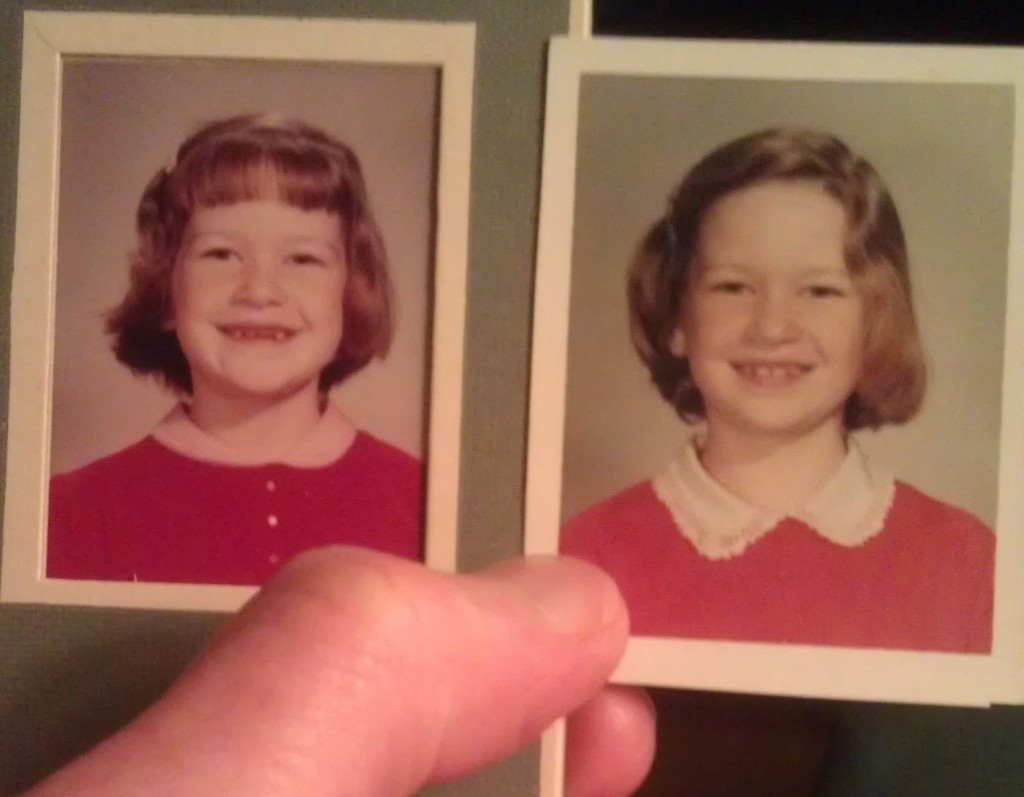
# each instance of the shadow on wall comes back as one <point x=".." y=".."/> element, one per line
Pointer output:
<point x="718" y="745"/>
<point x="67" y="690"/>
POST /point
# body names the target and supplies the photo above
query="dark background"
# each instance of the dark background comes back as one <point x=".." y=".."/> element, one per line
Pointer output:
<point x="730" y="745"/>
<point x="939" y="21"/>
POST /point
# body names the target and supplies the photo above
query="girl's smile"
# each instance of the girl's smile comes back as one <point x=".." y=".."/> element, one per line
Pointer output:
<point x="257" y="333"/>
<point x="771" y="374"/>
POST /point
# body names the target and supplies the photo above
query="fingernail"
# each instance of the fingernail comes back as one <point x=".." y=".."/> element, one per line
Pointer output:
<point x="571" y="597"/>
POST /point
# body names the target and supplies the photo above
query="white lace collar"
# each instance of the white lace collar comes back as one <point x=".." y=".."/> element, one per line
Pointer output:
<point x="848" y="509"/>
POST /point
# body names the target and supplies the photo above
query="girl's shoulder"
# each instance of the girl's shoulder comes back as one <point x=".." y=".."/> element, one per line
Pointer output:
<point x="369" y="446"/>
<point x="616" y="516"/>
<point x="123" y="466"/>
<point x="635" y="501"/>
<point x="914" y="505"/>
<point x="376" y="458"/>
<point x="928" y="528"/>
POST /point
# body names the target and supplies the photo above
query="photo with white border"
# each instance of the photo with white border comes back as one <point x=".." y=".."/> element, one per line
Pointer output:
<point x="625" y="120"/>
<point x="106" y="99"/>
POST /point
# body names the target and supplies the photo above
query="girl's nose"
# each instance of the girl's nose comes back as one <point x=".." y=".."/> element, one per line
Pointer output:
<point x="258" y="282"/>
<point x="772" y="320"/>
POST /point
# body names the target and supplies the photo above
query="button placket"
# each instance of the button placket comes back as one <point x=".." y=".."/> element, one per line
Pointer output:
<point x="272" y="519"/>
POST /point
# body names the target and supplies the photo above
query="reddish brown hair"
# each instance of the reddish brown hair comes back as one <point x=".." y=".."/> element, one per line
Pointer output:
<point x="234" y="160"/>
<point x="892" y="382"/>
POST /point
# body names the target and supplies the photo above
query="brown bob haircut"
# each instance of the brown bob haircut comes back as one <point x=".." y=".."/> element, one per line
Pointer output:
<point x="247" y="158"/>
<point x="892" y="381"/>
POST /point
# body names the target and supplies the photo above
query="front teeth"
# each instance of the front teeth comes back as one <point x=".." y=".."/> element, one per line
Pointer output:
<point x="771" y="374"/>
<point x="242" y="333"/>
<point x="774" y="371"/>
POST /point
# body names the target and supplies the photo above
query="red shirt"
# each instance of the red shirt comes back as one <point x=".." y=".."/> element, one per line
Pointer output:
<point x="148" y="513"/>
<point x="923" y="583"/>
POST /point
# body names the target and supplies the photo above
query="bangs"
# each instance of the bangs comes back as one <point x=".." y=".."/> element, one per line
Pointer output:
<point x="240" y="171"/>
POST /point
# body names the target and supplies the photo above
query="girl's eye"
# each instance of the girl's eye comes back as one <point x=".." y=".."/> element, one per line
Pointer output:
<point x="825" y="291"/>
<point x="216" y="253"/>
<point x="728" y="286"/>
<point x="306" y="259"/>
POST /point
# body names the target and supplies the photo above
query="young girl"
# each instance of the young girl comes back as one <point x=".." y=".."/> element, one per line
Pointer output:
<point x="772" y="302"/>
<point x="259" y="281"/>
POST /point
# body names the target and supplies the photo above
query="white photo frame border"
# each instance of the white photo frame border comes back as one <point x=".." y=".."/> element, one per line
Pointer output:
<point x="837" y="673"/>
<point x="51" y="37"/>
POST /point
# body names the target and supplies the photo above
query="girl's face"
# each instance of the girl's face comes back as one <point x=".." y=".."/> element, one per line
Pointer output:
<point x="774" y="326"/>
<point x="257" y="296"/>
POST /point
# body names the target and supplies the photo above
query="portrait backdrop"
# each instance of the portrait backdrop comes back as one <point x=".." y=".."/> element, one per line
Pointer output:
<point x="122" y="119"/>
<point x="944" y="151"/>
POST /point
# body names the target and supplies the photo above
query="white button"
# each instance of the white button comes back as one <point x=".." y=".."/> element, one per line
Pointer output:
<point x="271" y="486"/>
<point x="272" y="520"/>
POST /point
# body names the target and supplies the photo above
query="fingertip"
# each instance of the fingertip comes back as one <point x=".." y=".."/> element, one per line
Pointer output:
<point x="610" y="744"/>
<point x="570" y="596"/>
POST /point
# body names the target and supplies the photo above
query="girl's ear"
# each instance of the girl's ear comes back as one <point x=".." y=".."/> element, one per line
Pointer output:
<point x="677" y="344"/>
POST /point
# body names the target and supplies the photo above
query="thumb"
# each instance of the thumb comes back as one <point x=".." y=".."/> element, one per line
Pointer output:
<point x="361" y="674"/>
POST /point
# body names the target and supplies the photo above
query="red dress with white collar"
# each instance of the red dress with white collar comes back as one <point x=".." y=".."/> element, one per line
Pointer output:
<point x="914" y="574"/>
<point x="149" y="513"/>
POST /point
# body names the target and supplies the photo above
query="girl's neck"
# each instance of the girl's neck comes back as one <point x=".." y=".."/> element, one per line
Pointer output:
<point x="774" y="472"/>
<point x="256" y="430"/>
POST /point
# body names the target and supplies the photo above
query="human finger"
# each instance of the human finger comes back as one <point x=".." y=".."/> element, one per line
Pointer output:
<point x="362" y="674"/>
<point x="610" y="743"/>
